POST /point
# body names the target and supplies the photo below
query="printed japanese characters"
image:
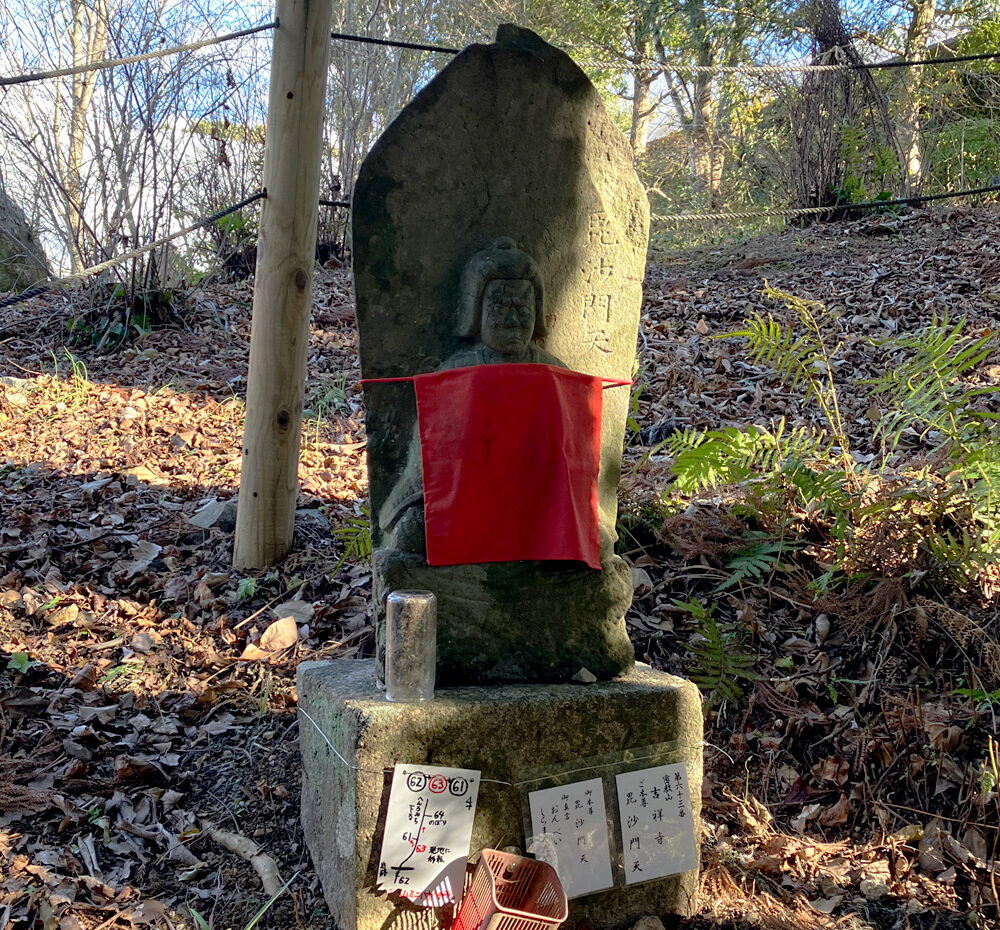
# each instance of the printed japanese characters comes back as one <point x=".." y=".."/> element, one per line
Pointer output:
<point x="570" y="829"/>
<point x="657" y="832"/>
<point x="427" y="833"/>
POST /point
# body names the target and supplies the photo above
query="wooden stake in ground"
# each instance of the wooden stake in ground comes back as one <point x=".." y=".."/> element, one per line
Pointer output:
<point x="283" y="289"/>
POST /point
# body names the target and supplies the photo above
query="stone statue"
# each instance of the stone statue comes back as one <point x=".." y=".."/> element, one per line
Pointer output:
<point x="487" y="612"/>
<point x="501" y="299"/>
<point x="510" y="139"/>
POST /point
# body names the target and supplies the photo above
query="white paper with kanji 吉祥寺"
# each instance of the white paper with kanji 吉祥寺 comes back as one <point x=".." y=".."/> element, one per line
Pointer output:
<point x="570" y="832"/>
<point x="657" y="823"/>
<point x="428" y="829"/>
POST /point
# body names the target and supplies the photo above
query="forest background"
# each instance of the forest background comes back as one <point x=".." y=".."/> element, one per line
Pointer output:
<point x="719" y="103"/>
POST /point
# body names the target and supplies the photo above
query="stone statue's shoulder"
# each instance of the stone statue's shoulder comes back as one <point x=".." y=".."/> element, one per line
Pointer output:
<point x="538" y="354"/>
<point x="463" y="358"/>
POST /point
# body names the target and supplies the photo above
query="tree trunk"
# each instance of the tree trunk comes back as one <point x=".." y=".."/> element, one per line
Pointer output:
<point x="722" y="129"/>
<point x="88" y="41"/>
<point x="642" y="108"/>
<point x="908" y="107"/>
<point x="643" y="75"/>
<point x="701" y="106"/>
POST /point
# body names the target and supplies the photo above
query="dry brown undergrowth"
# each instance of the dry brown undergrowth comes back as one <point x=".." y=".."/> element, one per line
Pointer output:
<point x="851" y="779"/>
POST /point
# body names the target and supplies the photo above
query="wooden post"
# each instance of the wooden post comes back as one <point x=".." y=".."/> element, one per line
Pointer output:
<point x="286" y="245"/>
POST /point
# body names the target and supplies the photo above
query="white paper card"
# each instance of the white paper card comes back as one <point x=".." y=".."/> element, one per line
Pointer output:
<point x="657" y="823"/>
<point x="570" y="832"/>
<point x="428" y="828"/>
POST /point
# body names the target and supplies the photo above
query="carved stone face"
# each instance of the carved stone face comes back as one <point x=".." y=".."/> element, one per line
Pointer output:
<point x="508" y="317"/>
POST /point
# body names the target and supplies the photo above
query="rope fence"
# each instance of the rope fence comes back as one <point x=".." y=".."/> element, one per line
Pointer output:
<point x="93" y="270"/>
<point x="676" y="67"/>
<point x="133" y="59"/>
<point x="789" y="211"/>
<point x="656" y="64"/>
<point x="815" y="211"/>
<point x="672" y="67"/>
<point x="39" y="289"/>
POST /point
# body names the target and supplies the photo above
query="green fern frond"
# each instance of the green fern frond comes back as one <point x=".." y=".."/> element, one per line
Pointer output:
<point x="811" y="313"/>
<point x="802" y="360"/>
<point x="979" y="467"/>
<point x="756" y="563"/>
<point x="824" y="490"/>
<point x="923" y="385"/>
<point x="803" y="444"/>
<point x="356" y="536"/>
<point x="732" y="456"/>
<point x="769" y="343"/>
<point x="681" y="440"/>
<point x="941" y="345"/>
<point x="960" y="554"/>
<point x="720" y="662"/>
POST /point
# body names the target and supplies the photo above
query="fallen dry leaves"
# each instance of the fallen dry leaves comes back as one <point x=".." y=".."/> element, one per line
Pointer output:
<point x="148" y="760"/>
<point x="147" y="690"/>
<point x="863" y="731"/>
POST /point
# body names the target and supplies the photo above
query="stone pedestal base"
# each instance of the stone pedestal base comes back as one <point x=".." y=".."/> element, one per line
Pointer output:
<point x="501" y="731"/>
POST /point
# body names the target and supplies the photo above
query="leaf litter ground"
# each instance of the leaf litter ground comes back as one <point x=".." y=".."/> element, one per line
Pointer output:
<point x="148" y="744"/>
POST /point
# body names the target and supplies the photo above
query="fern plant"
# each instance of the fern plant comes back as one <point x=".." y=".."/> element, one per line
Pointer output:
<point x="757" y="562"/>
<point x="940" y="515"/>
<point x="925" y="388"/>
<point x="356" y="536"/>
<point x="720" y="660"/>
<point x="789" y="479"/>
<point x="923" y="385"/>
<point x="800" y="359"/>
<point x="790" y="474"/>
<point x="730" y="455"/>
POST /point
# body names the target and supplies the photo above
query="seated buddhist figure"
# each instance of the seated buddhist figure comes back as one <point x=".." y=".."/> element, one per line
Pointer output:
<point x="500" y="310"/>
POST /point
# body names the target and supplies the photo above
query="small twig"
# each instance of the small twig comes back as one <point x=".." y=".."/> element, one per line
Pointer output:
<point x="121" y="532"/>
<point x="65" y="547"/>
<point x="111" y="920"/>
<point x="104" y="647"/>
<point x="274" y="600"/>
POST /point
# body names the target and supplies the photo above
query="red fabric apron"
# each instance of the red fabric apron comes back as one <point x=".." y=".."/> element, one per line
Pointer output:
<point x="510" y="454"/>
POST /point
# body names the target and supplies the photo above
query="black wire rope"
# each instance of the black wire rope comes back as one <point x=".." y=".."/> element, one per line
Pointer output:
<point x="919" y="198"/>
<point x="371" y="40"/>
<point x="39" y="289"/>
<point x="922" y="62"/>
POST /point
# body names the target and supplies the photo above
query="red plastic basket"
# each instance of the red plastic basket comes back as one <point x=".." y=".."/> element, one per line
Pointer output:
<point x="512" y="893"/>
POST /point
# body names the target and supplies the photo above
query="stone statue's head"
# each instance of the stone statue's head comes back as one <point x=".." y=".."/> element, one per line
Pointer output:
<point x="500" y="297"/>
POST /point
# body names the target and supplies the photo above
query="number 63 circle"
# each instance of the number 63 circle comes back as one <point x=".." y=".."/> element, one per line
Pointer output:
<point x="456" y="786"/>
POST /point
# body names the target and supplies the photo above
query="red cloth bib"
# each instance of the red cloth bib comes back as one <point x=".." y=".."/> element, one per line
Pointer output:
<point x="510" y="458"/>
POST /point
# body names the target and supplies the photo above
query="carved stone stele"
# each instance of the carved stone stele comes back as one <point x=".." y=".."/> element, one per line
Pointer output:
<point x="509" y="141"/>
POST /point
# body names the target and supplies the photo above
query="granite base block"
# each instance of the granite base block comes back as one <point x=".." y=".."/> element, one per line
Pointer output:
<point x="501" y="731"/>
